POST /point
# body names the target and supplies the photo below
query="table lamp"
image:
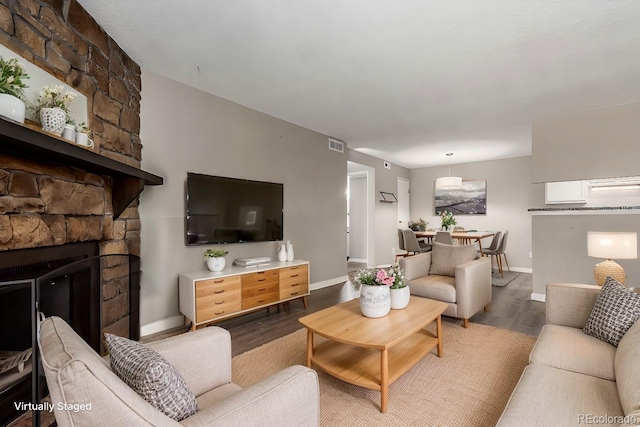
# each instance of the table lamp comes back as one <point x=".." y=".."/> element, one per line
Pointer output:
<point x="611" y="244"/>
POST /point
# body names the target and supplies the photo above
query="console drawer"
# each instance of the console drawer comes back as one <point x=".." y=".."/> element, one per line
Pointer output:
<point x="258" y="300"/>
<point x="217" y="297"/>
<point x="259" y="289"/>
<point x="260" y="278"/>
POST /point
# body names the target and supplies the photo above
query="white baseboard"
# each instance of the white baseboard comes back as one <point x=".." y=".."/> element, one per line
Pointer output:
<point x="522" y="270"/>
<point x="538" y="297"/>
<point x="361" y="260"/>
<point x="327" y="283"/>
<point x="161" y="325"/>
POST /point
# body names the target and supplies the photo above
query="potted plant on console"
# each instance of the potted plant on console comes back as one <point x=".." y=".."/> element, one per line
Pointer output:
<point x="215" y="259"/>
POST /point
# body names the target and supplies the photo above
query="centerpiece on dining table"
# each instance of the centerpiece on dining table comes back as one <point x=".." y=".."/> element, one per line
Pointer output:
<point x="448" y="220"/>
<point x="381" y="289"/>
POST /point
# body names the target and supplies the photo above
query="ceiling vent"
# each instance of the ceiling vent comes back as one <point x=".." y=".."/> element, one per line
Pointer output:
<point x="336" y="145"/>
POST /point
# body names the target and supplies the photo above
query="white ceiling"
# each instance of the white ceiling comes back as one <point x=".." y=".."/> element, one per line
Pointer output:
<point x="405" y="81"/>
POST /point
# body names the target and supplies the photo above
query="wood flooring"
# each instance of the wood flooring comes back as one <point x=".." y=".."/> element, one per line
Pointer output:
<point x="511" y="308"/>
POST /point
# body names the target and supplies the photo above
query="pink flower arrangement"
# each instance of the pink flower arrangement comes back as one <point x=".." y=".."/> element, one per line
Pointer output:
<point x="392" y="277"/>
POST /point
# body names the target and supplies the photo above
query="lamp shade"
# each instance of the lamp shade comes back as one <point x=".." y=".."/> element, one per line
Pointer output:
<point x="449" y="183"/>
<point x="612" y="245"/>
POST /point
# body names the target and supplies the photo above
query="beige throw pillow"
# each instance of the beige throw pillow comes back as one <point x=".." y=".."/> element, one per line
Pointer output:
<point x="445" y="258"/>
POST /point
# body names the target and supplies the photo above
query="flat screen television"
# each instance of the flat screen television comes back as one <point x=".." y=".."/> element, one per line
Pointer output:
<point x="231" y="210"/>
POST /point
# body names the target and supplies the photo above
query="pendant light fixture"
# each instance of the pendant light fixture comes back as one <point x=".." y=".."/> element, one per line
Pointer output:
<point x="449" y="182"/>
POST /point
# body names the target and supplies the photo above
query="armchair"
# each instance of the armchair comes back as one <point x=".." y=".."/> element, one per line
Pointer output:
<point x="464" y="284"/>
<point x="76" y="374"/>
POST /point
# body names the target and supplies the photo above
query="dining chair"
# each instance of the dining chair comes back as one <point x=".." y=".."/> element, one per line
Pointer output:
<point x="500" y="250"/>
<point x="411" y="243"/>
<point x="400" y="245"/>
<point x="443" y="237"/>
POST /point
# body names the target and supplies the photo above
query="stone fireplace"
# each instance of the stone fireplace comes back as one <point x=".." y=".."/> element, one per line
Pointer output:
<point x="55" y="195"/>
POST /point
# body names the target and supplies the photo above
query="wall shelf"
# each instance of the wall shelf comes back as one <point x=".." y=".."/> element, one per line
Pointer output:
<point x="128" y="181"/>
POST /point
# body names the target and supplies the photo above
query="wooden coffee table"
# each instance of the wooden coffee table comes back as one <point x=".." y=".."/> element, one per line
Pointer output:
<point x="373" y="353"/>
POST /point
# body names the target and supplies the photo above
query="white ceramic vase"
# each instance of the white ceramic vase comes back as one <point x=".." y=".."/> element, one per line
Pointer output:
<point x="282" y="253"/>
<point x="375" y="301"/>
<point x="216" y="263"/>
<point x="290" y="255"/>
<point x="12" y="108"/>
<point x="400" y="298"/>
<point x="53" y="120"/>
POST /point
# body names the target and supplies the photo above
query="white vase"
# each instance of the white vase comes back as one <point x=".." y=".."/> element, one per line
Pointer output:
<point x="290" y="255"/>
<point x="400" y="298"/>
<point x="12" y="108"/>
<point x="53" y="120"/>
<point x="375" y="301"/>
<point x="216" y="263"/>
<point x="282" y="253"/>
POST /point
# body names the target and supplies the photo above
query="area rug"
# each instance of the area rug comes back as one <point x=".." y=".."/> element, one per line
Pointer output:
<point x="509" y="276"/>
<point x="469" y="386"/>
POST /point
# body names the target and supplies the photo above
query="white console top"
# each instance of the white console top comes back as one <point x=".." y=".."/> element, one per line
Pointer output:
<point x="233" y="270"/>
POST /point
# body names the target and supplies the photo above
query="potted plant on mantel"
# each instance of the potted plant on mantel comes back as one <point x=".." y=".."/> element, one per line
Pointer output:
<point x="215" y="259"/>
<point x="381" y="289"/>
<point x="52" y="106"/>
<point x="12" y="74"/>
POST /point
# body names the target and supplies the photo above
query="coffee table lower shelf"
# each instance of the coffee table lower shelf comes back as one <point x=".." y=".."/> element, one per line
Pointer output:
<point x="367" y="367"/>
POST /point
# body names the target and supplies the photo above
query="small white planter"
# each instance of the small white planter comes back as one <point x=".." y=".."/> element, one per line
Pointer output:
<point x="53" y="120"/>
<point x="400" y="298"/>
<point x="375" y="301"/>
<point x="216" y="263"/>
<point x="12" y="108"/>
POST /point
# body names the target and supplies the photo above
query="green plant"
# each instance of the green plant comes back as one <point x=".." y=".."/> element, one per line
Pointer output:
<point x="448" y="220"/>
<point x="54" y="96"/>
<point x="11" y="78"/>
<point x="215" y="253"/>
<point x="83" y="128"/>
<point x="419" y="225"/>
<point x="392" y="277"/>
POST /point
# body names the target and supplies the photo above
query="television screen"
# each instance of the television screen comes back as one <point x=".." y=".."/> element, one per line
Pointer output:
<point x="230" y="210"/>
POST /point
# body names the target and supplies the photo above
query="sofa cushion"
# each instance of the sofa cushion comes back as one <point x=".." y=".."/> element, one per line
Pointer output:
<point x="441" y="288"/>
<point x="615" y="310"/>
<point x="628" y="371"/>
<point x="152" y="377"/>
<point x="445" y="258"/>
<point x="547" y="396"/>
<point x="570" y="349"/>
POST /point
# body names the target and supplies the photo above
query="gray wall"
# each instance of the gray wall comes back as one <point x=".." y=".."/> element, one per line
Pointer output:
<point x="186" y="130"/>
<point x="386" y="214"/>
<point x="509" y="195"/>
<point x="357" y="217"/>
<point x="599" y="143"/>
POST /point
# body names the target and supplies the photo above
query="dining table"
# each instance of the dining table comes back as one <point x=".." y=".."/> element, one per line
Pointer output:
<point x="462" y="236"/>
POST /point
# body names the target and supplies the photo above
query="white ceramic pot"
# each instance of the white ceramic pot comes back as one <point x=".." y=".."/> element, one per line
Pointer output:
<point x="375" y="301"/>
<point x="53" y="120"/>
<point x="400" y="298"/>
<point x="12" y="108"/>
<point x="216" y="263"/>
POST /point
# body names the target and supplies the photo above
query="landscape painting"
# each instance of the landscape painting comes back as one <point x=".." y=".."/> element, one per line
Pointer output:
<point x="470" y="200"/>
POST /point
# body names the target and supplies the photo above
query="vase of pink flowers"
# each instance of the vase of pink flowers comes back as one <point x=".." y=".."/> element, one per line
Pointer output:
<point x="375" y="287"/>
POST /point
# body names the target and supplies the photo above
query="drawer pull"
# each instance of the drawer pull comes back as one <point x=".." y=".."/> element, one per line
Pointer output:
<point x="295" y="284"/>
<point x="221" y="302"/>
<point x="218" y="281"/>
<point x="218" y="314"/>
<point x="263" y="289"/>
<point x="294" y="293"/>
<point x="261" y="272"/>
<point x="262" y="300"/>
<point x="294" y="275"/>
<point x="218" y="292"/>
<point x="261" y="280"/>
<point x="294" y="268"/>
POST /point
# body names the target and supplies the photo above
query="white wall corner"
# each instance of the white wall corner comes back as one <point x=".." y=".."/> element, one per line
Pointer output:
<point x="162" y="325"/>
<point x="326" y="283"/>
<point x="538" y="297"/>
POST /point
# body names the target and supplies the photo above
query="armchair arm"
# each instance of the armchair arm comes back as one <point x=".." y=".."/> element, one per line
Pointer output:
<point x="570" y="304"/>
<point x="415" y="266"/>
<point x="202" y="357"/>
<point x="473" y="286"/>
<point x="288" y="397"/>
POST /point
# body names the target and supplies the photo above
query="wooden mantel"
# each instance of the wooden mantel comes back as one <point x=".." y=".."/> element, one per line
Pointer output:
<point x="128" y="181"/>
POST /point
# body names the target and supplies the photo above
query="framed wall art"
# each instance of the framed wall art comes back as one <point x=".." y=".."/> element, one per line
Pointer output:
<point x="470" y="200"/>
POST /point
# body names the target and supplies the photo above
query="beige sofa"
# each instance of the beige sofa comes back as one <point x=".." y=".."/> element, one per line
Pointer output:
<point x="573" y="378"/>
<point x="466" y="291"/>
<point x="78" y="375"/>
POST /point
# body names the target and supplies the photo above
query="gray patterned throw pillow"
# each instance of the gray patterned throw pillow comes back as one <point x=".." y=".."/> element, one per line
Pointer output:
<point x="616" y="309"/>
<point x="152" y="377"/>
